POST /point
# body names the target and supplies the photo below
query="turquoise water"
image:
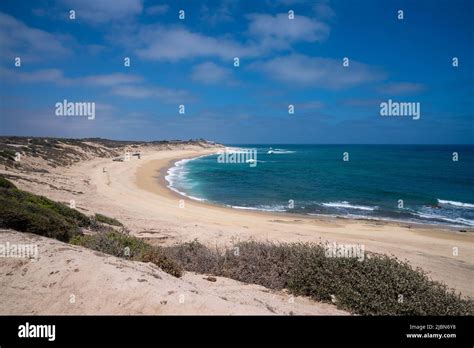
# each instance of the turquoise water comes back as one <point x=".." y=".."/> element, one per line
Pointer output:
<point x="314" y="179"/>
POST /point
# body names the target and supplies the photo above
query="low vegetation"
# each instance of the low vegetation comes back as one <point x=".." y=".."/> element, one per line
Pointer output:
<point x="7" y="184"/>
<point x="108" y="220"/>
<point x="379" y="285"/>
<point x="121" y="245"/>
<point x="26" y="212"/>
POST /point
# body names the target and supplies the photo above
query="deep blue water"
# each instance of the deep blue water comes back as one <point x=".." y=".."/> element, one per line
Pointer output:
<point x="432" y="186"/>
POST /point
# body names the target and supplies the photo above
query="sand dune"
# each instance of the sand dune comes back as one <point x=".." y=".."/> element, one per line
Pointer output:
<point x="67" y="279"/>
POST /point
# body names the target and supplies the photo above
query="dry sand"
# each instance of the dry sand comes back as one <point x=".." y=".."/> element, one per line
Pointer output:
<point x="135" y="193"/>
<point x="67" y="279"/>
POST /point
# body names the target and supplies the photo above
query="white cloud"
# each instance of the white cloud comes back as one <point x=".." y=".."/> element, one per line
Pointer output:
<point x="123" y="85"/>
<point x="219" y="14"/>
<point x="57" y="77"/>
<point x="318" y="72"/>
<point x="102" y="11"/>
<point x="28" y="43"/>
<point x="109" y="79"/>
<point x="279" y="31"/>
<point x="172" y="44"/>
<point x="165" y="95"/>
<point x="211" y="73"/>
<point x="40" y="76"/>
<point x="321" y="8"/>
<point x="324" y="11"/>
<point x="265" y="34"/>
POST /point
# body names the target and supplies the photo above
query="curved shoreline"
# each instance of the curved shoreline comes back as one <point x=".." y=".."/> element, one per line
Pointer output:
<point x="164" y="171"/>
<point x="175" y="166"/>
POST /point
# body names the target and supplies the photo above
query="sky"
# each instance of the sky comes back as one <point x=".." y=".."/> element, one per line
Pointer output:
<point x="283" y="61"/>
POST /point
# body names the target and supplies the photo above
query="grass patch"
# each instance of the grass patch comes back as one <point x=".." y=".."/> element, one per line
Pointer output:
<point x="108" y="220"/>
<point x="26" y="212"/>
<point x="369" y="287"/>
<point x="121" y="245"/>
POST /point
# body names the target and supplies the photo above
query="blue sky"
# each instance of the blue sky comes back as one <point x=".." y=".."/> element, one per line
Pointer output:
<point x="282" y="62"/>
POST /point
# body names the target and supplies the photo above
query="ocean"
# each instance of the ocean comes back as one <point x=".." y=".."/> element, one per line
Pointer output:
<point x="415" y="183"/>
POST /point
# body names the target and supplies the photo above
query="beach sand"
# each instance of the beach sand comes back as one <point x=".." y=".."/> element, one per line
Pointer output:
<point x="136" y="193"/>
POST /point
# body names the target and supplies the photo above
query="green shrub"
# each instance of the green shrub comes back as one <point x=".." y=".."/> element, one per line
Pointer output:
<point x="108" y="220"/>
<point x="8" y="154"/>
<point x="73" y="216"/>
<point x="158" y="257"/>
<point x="27" y="217"/>
<point x="115" y="243"/>
<point x="369" y="287"/>
<point x="26" y="212"/>
<point x="5" y="183"/>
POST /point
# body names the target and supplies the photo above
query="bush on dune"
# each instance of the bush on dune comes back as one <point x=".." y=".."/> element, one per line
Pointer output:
<point x="108" y="220"/>
<point x="6" y="183"/>
<point x="379" y="285"/>
<point x="26" y="212"/>
<point x="26" y="217"/>
<point x="121" y="245"/>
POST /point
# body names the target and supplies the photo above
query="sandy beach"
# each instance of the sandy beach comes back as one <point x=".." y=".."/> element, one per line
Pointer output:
<point x="136" y="193"/>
